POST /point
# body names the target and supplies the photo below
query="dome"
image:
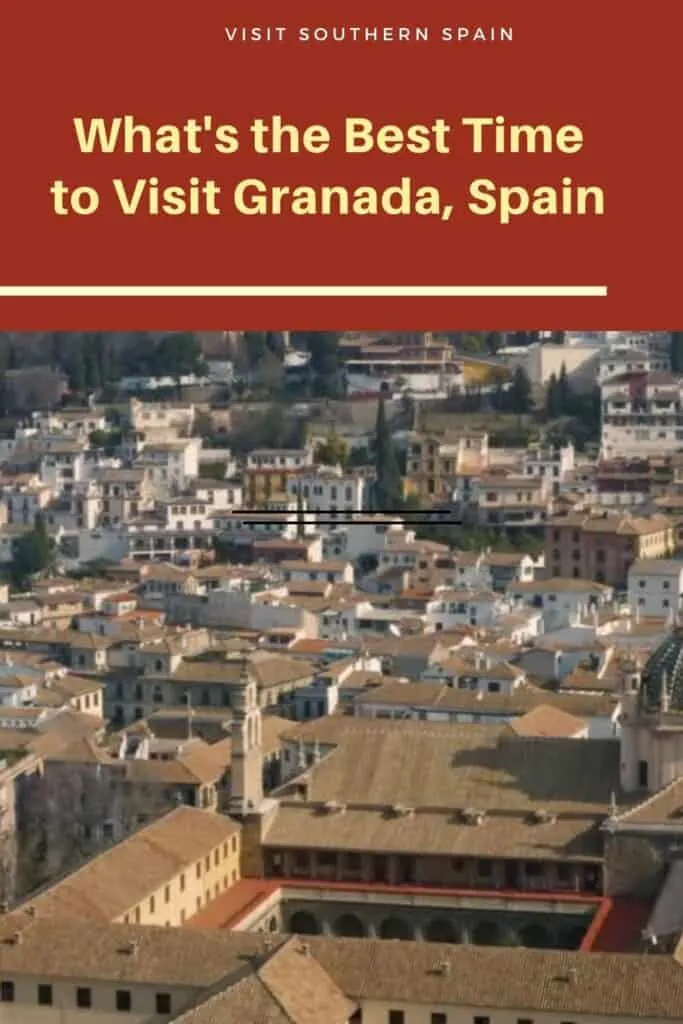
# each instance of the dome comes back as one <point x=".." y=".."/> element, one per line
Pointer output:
<point x="662" y="677"/>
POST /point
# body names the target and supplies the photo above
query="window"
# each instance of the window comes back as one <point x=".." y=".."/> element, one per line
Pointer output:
<point x="396" y="1017"/>
<point x="642" y="774"/>
<point x="6" y="991"/>
<point x="83" y="998"/>
<point x="199" y="871"/>
<point x="123" y="1000"/>
<point x="167" y="894"/>
<point x="163" y="1002"/>
<point x="481" y="1020"/>
<point x="45" y="995"/>
<point x="182" y="883"/>
<point x="524" y="1020"/>
<point x="564" y="872"/>
<point x="151" y="904"/>
<point x="438" y="1018"/>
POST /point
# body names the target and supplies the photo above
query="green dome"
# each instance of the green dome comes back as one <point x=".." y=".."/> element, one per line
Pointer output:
<point x="663" y="674"/>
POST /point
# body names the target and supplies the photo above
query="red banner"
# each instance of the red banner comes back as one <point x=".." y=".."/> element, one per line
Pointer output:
<point x="384" y="167"/>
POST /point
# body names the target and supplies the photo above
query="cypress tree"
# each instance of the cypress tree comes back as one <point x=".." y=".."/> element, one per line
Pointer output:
<point x="388" y="490"/>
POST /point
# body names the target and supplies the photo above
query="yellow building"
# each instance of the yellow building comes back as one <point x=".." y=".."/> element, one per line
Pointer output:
<point x="161" y="875"/>
<point x="434" y="462"/>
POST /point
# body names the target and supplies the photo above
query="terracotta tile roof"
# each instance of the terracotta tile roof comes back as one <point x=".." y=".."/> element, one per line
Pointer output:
<point x="118" y="879"/>
<point x="544" y="720"/>
<point x="436" y="772"/>
<point x="520" y="981"/>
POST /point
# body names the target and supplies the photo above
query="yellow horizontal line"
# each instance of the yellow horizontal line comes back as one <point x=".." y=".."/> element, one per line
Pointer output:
<point x="286" y="291"/>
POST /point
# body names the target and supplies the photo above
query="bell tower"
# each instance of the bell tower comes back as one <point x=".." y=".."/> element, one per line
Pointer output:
<point x="246" y="773"/>
<point x="630" y="723"/>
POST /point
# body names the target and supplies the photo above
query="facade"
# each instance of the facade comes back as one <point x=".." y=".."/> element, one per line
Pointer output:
<point x="268" y="472"/>
<point x="69" y="971"/>
<point x="655" y="587"/>
<point x="189" y="857"/>
<point x="641" y="415"/>
<point x="435" y="464"/>
<point x="603" y="546"/>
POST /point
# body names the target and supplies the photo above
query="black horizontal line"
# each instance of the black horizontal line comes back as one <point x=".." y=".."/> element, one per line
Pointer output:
<point x="364" y="522"/>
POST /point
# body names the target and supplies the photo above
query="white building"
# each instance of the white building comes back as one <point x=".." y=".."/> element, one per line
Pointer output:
<point x="317" y="572"/>
<point x="564" y="602"/>
<point x="641" y="415"/>
<point x="171" y="465"/>
<point x="655" y="586"/>
<point x="551" y="464"/>
<point x="466" y="608"/>
<point x="329" y="495"/>
<point x="367" y="535"/>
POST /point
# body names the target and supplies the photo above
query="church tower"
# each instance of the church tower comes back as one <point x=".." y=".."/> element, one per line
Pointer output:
<point x="246" y="773"/>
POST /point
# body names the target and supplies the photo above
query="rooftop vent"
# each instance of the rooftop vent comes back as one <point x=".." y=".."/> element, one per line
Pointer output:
<point x="568" y="977"/>
<point x="305" y="949"/>
<point x="542" y="817"/>
<point x="442" y="967"/>
<point x="400" y="811"/>
<point x="472" y="816"/>
<point x="130" y="948"/>
<point x="333" y="807"/>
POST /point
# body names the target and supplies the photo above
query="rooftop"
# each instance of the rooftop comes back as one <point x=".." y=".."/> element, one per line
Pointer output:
<point x="118" y="879"/>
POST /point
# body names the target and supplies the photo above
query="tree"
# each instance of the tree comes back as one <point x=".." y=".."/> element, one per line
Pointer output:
<point x="270" y="373"/>
<point x="63" y="813"/>
<point x="332" y="452"/>
<point x="519" y="393"/>
<point x="76" y="370"/>
<point x="388" y="489"/>
<point x="177" y="355"/>
<point x="32" y="553"/>
<point x="109" y="440"/>
<point x="676" y="351"/>
<point x="300" y="514"/>
<point x="553" y="401"/>
<point x="565" y="392"/>
<point x="325" y="364"/>
<point x="494" y="341"/>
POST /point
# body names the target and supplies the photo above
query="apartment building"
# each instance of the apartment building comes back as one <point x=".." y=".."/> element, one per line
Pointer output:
<point x="125" y="494"/>
<point x="161" y="420"/>
<point x="329" y="494"/>
<point x="604" y="546"/>
<point x="160" y="875"/>
<point x="564" y="602"/>
<point x="512" y="502"/>
<point x="268" y="472"/>
<point x="641" y="414"/>
<point x="171" y="464"/>
<point x="401" y="363"/>
<point x="655" y="587"/>
<point x="434" y="463"/>
<point x="629" y="482"/>
<point x="625" y="352"/>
